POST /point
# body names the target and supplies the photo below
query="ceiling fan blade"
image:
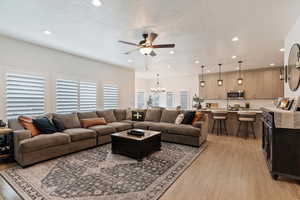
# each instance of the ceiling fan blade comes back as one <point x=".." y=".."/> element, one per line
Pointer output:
<point x="163" y="46"/>
<point x="129" y="43"/>
<point x="152" y="37"/>
<point x="133" y="50"/>
<point x="152" y="54"/>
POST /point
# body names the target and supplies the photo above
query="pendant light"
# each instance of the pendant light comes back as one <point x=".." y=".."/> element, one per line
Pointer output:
<point x="157" y="88"/>
<point x="240" y="79"/>
<point x="220" y="81"/>
<point x="202" y="82"/>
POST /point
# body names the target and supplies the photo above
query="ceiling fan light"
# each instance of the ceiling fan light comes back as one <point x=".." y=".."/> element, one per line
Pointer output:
<point x="146" y="50"/>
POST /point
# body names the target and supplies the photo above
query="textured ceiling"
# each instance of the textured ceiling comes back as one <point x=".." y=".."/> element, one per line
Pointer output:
<point x="201" y="29"/>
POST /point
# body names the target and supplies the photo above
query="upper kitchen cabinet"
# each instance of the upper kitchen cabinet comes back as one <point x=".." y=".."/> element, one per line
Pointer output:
<point x="258" y="84"/>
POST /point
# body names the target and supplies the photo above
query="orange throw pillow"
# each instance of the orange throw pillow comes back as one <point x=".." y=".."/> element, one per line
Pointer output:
<point x="199" y="116"/>
<point x="85" y="123"/>
<point x="27" y="123"/>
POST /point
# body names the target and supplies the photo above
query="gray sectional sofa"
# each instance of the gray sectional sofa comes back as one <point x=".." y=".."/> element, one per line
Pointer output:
<point x="29" y="150"/>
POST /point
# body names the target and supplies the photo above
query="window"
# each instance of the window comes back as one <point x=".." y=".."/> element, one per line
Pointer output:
<point x="66" y="96"/>
<point x="24" y="95"/>
<point x="110" y="96"/>
<point x="171" y="99"/>
<point x="140" y="99"/>
<point x="156" y="99"/>
<point x="87" y="96"/>
<point x="184" y="100"/>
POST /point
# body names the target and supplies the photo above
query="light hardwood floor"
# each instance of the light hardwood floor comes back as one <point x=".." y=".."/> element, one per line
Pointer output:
<point x="230" y="169"/>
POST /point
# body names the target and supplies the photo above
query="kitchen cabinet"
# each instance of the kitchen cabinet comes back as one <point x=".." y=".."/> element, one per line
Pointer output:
<point x="258" y="84"/>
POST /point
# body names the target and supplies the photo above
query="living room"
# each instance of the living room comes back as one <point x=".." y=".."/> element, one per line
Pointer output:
<point x="164" y="100"/>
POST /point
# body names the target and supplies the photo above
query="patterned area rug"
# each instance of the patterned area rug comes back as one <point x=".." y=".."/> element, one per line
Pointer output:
<point x="96" y="174"/>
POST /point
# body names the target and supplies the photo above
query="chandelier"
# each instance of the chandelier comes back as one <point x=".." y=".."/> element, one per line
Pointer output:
<point x="157" y="88"/>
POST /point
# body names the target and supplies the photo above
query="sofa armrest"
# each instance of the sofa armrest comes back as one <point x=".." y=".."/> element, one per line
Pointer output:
<point x="20" y="135"/>
<point x="198" y="124"/>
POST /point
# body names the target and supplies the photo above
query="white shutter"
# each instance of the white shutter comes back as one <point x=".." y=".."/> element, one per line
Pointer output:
<point x="170" y="99"/>
<point x="24" y="95"/>
<point x="184" y="100"/>
<point x="140" y="99"/>
<point x="110" y="96"/>
<point x="156" y="99"/>
<point x="87" y="95"/>
<point x="66" y="96"/>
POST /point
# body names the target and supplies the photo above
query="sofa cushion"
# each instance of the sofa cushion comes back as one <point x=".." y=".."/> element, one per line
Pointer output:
<point x="184" y="129"/>
<point x="160" y="126"/>
<point x="129" y="122"/>
<point x="85" y="123"/>
<point x="169" y="116"/>
<point x="58" y="125"/>
<point x="108" y="115"/>
<point x="43" y="141"/>
<point x="153" y="115"/>
<point x="143" y="125"/>
<point x="103" y="129"/>
<point x="78" y="134"/>
<point x="119" y="126"/>
<point x="68" y="120"/>
<point x="87" y="115"/>
<point x="120" y="114"/>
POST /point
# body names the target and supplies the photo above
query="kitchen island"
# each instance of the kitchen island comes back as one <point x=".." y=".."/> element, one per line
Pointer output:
<point x="232" y="122"/>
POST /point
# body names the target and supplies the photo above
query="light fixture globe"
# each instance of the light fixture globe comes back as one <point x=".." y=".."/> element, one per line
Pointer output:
<point x="202" y="83"/>
<point x="146" y="50"/>
<point x="220" y="82"/>
<point x="240" y="81"/>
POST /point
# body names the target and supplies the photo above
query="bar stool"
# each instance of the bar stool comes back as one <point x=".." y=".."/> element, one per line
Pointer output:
<point x="247" y="118"/>
<point x="219" y="118"/>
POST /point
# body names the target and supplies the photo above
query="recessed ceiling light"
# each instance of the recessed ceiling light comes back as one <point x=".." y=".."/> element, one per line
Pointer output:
<point x="272" y="64"/>
<point x="172" y="52"/>
<point x="47" y="32"/>
<point x="234" y="57"/>
<point x="197" y="61"/>
<point x="282" y="49"/>
<point x="130" y="61"/>
<point x="97" y="3"/>
<point x="169" y="66"/>
<point x="235" y="39"/>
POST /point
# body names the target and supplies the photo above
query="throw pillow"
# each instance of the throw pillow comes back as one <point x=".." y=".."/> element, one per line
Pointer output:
<point x="44" y="125"/>
<point x="85" y="123"/>
<point x="58" y="125"/>
<point x="179" y="119"/>
<point x="138" y="116"/>
<point x="27" y="123"/>
<point x="188" y="117"/>
<point x="108" y="115"/>
<point x="199" y="116"/>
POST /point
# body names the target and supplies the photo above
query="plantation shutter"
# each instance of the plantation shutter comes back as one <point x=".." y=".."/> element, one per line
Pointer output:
<point x="24" y="95"/>
<point x="140" y="99"/>
<point x="87" y="95"/>
<point x="110" y="96"/>
<point x="66" y="96"/>
<point x="184" y="100"/>
<point x="170" y="99"/>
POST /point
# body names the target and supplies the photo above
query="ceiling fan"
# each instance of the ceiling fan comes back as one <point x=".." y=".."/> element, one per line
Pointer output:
<point x="146" y="46"/>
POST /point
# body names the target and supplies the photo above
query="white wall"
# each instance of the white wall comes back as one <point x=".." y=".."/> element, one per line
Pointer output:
<point x="172" y="84"/>
<point x="292" y="37"/>
<point x="25" y="58"/>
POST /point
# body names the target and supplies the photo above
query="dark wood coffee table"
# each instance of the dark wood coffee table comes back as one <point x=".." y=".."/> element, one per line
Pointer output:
<point x="135" y="146"/>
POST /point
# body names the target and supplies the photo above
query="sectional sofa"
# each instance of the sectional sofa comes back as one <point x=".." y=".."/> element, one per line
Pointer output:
<point x="29" y="150"/>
